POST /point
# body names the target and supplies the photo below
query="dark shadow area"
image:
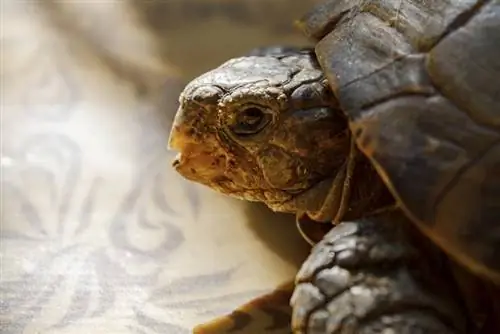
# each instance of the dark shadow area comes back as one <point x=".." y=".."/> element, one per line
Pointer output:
<point x="278" y="232"/>
<point x="195" y="36"/>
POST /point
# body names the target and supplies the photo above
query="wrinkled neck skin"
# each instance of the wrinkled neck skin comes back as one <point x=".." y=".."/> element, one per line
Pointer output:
<point x="368" y="194"/>
<point x="296" y="162"/>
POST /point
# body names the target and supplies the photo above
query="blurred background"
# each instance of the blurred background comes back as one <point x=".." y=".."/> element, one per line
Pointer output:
<point x="98" y="233"/>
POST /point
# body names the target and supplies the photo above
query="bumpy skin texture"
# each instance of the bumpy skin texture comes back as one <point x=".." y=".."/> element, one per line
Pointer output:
<point x="299" y="148"/>
<point x="268" y="128"/>
<point x="270" y="166"/>
<point x="384" y="258"/>
<point x="375" y="275"/>
<point x="419" y="83"/>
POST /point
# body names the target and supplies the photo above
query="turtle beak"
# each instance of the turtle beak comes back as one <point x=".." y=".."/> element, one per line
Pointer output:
<point x="179" y="139"/>
<point x="175" y="144"/>
<point x="176" y="134"/>
<point x="185" y="148"/>
<point x="196" y="160"/>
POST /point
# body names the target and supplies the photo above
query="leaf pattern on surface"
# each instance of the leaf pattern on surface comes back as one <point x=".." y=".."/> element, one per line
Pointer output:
<point x="157" y="326"/>
<point x="28" y="214"/>
<point x="59" y="156"/>
<point x="88" y="206"/>
<point x="98" y="233"/>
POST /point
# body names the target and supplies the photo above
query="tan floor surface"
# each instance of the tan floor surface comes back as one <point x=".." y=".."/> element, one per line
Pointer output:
<point x="99" y="234"/>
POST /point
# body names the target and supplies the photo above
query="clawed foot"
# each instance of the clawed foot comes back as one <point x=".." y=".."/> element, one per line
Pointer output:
<point x="369" y="277"/>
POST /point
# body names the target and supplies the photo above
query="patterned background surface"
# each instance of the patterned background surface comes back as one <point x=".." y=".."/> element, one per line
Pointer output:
<point x="99" y="235"/>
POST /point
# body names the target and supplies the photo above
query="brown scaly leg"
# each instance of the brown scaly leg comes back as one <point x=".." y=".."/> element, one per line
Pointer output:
<point x="376" y="275"/>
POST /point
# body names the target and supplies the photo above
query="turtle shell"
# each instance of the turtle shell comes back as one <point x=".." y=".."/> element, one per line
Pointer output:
<point x="419" y="82"/>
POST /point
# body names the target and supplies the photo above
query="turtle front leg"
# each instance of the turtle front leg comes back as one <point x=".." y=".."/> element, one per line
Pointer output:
<point x="376" y="275"/>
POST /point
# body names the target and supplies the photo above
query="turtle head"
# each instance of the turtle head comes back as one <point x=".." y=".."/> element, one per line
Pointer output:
<point x="262" y="128"/>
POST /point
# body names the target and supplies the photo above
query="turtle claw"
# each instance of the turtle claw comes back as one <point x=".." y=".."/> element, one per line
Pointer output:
<point x="269" y="313"/>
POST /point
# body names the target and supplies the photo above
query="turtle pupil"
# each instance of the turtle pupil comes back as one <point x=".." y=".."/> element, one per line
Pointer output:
<point x="251" y="116"/>
<point x="249" y="121"/>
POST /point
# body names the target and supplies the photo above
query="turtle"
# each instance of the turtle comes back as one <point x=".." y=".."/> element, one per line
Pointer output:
<point x="386" y="133"/>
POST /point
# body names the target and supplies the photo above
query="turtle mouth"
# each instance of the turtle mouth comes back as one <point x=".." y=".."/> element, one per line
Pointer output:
<point x="199" y="167"/>
<point x="190" y="152"/>
<point x="205" y="163"/>
<point x="177" y="160"/>
<point x="199" y="164"/>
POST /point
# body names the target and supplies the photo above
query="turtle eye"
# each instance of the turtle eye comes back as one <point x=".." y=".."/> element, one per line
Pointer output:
<point x="249" y="121"/>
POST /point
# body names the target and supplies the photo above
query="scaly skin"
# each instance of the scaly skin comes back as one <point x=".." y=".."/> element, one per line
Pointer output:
<point x="372" y="272"/>
<point x="299" y="148"/>
<point x="376" y="274"/>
